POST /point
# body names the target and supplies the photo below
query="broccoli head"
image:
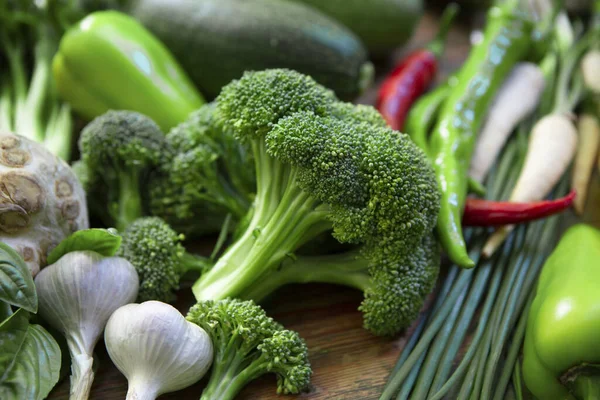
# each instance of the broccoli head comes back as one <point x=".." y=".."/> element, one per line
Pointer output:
<point x="119" y="149"/>
<point x="156" y="252"/>
<point x="320" y="167"/>
<point x="204" y="175"/>
<point x="248" y="344"/>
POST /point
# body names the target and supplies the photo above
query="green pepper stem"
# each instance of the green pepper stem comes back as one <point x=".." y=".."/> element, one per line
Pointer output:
<point x="587" y="387"/>
<point x="437" y="45"/>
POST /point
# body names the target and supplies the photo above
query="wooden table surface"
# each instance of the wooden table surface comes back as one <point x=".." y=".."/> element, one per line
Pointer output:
<point x="348" y="362"/>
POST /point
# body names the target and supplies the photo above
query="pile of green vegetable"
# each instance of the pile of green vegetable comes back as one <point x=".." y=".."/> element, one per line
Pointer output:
<point x="229" y="119"/>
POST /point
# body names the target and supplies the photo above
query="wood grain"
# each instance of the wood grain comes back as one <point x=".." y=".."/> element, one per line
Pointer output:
<point x="348" y="362"/>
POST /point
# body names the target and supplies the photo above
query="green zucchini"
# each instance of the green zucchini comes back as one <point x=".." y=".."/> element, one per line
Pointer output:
<point x="382" y="25"/>
<point x="217" y="40"/>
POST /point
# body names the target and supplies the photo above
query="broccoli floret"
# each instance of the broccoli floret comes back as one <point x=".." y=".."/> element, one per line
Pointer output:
<point x="248" y="344"/>
<point x="358" y="113"/>
<point x="119" y="149"/>
<point x="319" y="167"/>
<point x="156" y="252"/>
<point x="398" y="288"/>
<point x="204" y="175"/>
<point x="394" y="290"/>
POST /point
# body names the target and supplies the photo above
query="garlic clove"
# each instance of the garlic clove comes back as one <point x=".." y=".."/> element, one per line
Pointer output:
<point x="157" y="349"/>
<point x="77" y="295"/>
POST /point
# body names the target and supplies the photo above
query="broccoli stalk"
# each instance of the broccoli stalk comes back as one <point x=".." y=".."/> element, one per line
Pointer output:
<point x="394" y="293"/>
<point x="248" y="344"/>
<point x="29" y="103"/>
<point x="319" y="167"/>
<point x="347" y="269"/>
<point x="118" y="151"/>
<point x="156" y="252"/>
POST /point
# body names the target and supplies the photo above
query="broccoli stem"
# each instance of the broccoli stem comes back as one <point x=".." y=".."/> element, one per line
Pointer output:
<point x="283" y="215"/>
<point x="226" y="383"/>
<point x="129" y="205"/>
<point x="348" y="269"/>
<point x="193" y="262"/>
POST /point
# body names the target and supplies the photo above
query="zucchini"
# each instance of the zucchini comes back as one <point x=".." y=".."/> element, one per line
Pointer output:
<point x="217" y="40"/>
<point x="382" y="25"/>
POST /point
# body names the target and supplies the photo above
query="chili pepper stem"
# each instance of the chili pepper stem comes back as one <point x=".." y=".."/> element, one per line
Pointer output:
<point x="587" y="387"/>
<point x="437" y="45"/>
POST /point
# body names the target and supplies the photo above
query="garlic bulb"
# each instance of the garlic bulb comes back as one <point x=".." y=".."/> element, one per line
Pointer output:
<point x="41" y="199"/>
<point x="77" y="296"/>
<point x="157" y="349"/>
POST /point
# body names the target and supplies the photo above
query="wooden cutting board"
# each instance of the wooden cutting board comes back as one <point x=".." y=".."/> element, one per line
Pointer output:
<point x="348" y="362"/>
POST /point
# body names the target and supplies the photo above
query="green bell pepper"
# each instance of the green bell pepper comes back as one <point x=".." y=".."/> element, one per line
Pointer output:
<point x="110" y="61"/>
<point x="561" y="354"/>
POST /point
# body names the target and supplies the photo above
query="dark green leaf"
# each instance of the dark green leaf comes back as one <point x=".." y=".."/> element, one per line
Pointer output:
<point x="12" y="335"/>
<point x="5" y="311"/>
<point x="35" y="367"/>
<point x="16" y="283"/>
<point x="103" y="241"/>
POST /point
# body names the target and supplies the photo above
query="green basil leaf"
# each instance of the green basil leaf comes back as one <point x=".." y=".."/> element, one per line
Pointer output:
<point x="13" y="331"/>
<point x="103" y="241"/>
<point x="16" y="282"/>
<point x="5" y="311"/>
<point x="35" y="369"/>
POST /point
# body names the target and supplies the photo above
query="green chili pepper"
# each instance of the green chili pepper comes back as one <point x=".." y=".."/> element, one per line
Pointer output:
<point x="422" y="115"/>
<point x="507" y="38"/>
<point x="110" y="61"/>
<point x="561" y="352"/>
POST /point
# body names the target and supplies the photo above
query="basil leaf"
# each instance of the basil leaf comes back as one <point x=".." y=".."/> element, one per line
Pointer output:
<point x="103" y="241"/>
<point x="13" y="331"/>
<point x="5" y="311"/>
<point x="36" y="366"/>
<point x="16" y="283"/>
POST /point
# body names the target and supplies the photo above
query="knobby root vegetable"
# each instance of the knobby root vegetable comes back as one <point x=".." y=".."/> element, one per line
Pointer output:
<point x="552" y="146"/>
<point x="157" y="349"/>
<point x="518" y="97"/>
<point x="77" y="296"/>
<point x="589" y="140"/>
<point x="41" y="200"/>
<point x="590" y="68"/>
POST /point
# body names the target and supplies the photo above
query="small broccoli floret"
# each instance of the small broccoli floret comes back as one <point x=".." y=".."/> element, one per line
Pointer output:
<point x="204" y="174"/>
<point x="156" y="252"/>
<point x="358" y="113"/>
<point x="320" y="167"/>
<point x="398" y="289"/>
<point x="248" y="344"/>
<point x="249" y="105"/>
<point x="119" y="149"/>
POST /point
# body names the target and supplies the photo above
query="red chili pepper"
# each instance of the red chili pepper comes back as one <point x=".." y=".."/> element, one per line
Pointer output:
<point x="480" y="212"/>
<point x="412" y="76"/>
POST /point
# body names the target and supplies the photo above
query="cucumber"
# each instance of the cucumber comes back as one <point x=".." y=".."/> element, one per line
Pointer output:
<point x="215" y="41"/>
<point x="382" y="25"/>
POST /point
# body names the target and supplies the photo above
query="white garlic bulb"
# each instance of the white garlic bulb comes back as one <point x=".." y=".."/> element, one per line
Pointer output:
<point x="77" y="295"/>
<point x="157" y="349"/>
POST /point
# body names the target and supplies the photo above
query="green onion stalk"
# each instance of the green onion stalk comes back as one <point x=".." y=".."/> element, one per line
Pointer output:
<point x="29" y="103"/>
